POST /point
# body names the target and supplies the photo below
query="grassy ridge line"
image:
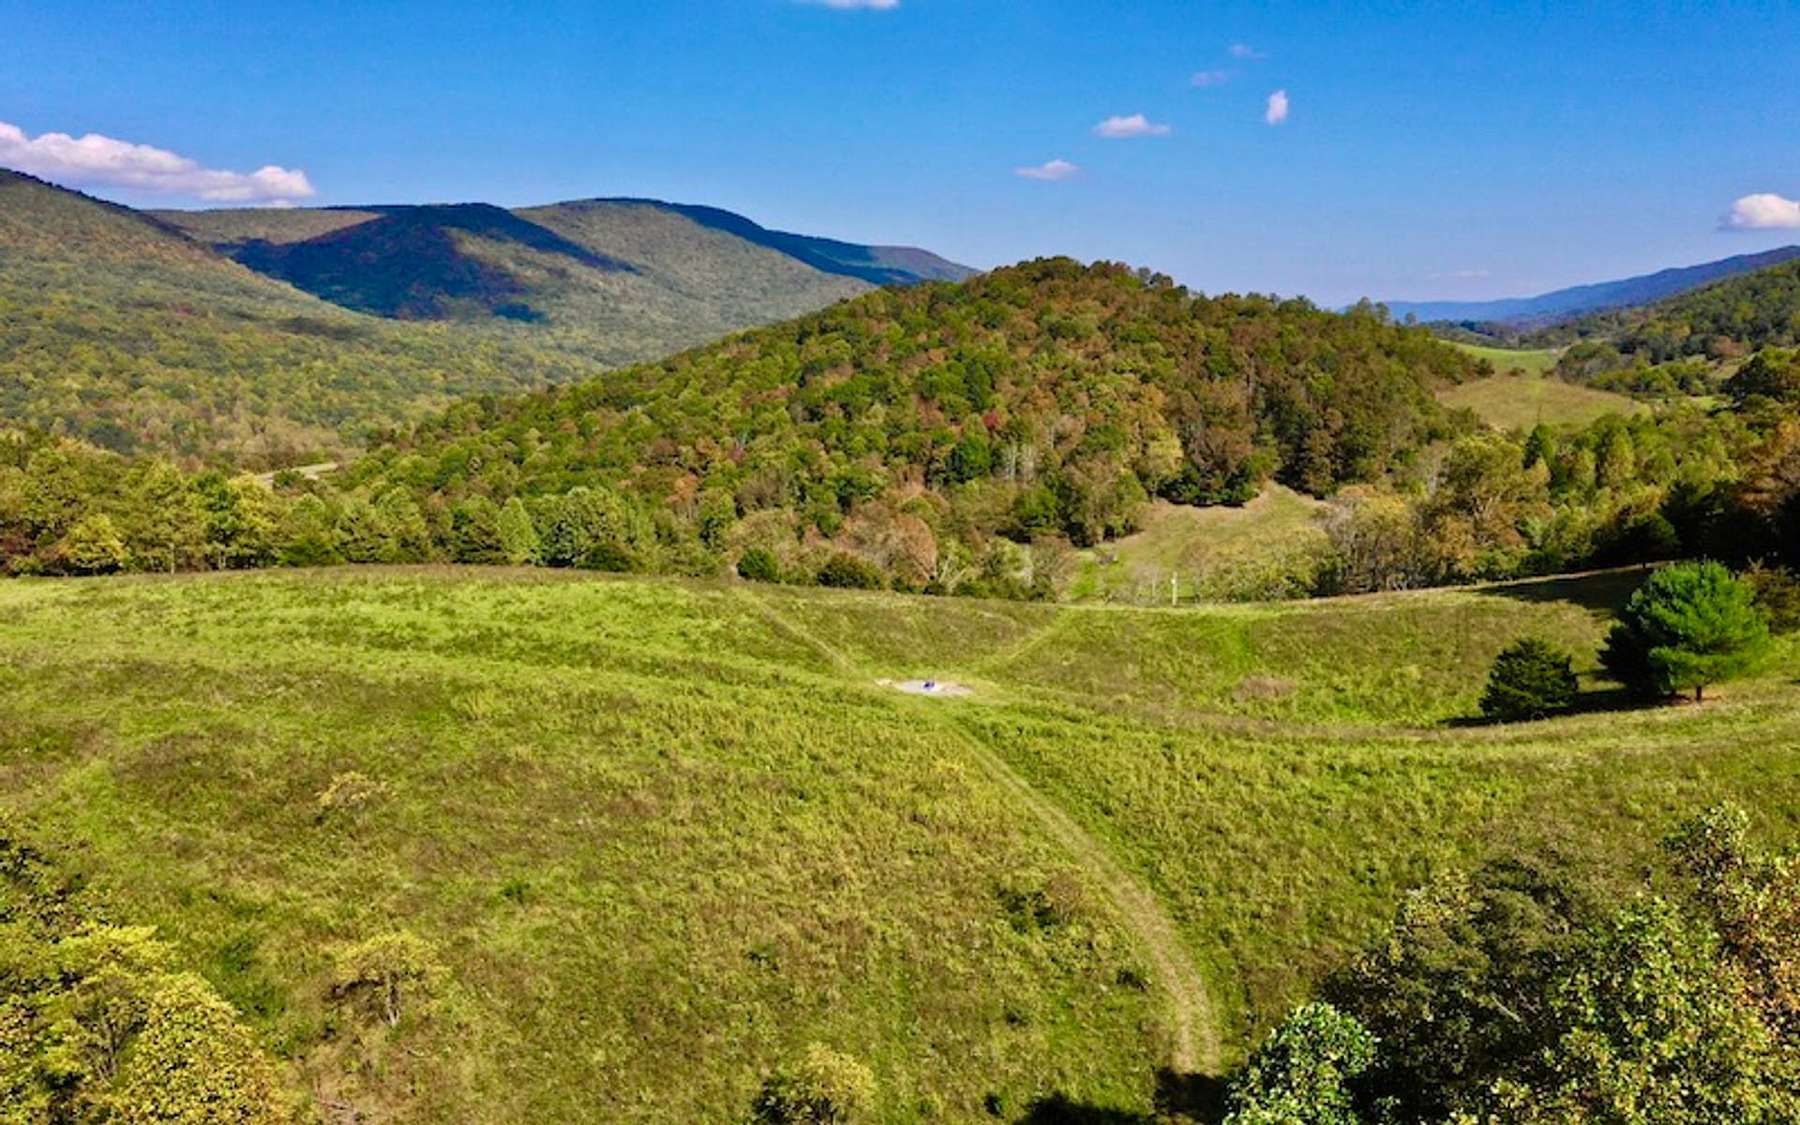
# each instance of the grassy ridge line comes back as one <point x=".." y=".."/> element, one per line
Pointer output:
<point x="1195" y="1035"/>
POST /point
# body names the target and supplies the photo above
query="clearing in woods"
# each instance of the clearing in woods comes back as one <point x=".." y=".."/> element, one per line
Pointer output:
<point x="1524" y="391"/>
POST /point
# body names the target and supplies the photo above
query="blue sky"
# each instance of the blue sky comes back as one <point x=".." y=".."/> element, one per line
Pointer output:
<point x="1429" y="150"/>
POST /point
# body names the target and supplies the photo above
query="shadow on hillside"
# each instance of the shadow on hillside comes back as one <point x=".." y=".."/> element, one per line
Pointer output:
<point x="1597" y="593"/>
<point x="1179" y="1097"/>
<point x="1610" y="698"/>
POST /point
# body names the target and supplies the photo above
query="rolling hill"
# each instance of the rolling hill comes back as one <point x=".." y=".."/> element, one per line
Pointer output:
<point x="1723" y="320"/>
<point x="656" y="838"/>
<point x="1561" y="304"/>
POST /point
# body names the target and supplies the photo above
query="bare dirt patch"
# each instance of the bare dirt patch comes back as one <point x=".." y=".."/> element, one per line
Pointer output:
<point x="949" y="688"/>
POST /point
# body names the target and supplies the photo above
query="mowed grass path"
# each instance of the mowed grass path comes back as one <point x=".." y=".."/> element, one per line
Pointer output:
<point x="668" y="833"/>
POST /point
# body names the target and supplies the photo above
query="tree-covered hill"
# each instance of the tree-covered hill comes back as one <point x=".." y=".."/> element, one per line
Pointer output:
<point x="117" y="328"/>
<point x="1726" y="319"/>
<point x="915" y="425"/>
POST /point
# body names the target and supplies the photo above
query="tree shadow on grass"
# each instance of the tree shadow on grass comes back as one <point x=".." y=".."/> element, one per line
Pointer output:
<point x="1608" y="699"/>
<point x="1605" y="592"/>
<point x="1179" y="1097"/>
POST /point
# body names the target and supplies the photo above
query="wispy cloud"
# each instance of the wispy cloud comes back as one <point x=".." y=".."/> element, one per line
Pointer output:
<point x="98" y="161"/>
<point x="1245" y="51"/>
<point x="1137" y="125"/>
<point x="1763" y="211"/>
<point x="1277" y="110"/>
<point x="855" y="5"/>
<point x="1048" y="170"/>
<point x="1460" y="275"/>
<point x="1205" y="78"/>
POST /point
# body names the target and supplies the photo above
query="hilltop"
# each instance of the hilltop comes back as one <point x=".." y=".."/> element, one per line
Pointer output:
<point x="933" y="430"/>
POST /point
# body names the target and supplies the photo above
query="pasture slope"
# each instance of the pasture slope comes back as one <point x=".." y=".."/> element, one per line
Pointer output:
<point x="1525" y="391"/>
<point x="664" y="834"/>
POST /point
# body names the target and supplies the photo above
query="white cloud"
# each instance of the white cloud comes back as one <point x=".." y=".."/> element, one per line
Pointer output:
<point x="1137" y="125"/>
<point x="1764" y="211"/>
<point x="1277" y="112"/>
<point x="1049" y="170"/>
<point x="97" y="161"/>
<point x="1246" y="51"/>
<point x="1205" y="78"/>
<point x="855" y="5"/>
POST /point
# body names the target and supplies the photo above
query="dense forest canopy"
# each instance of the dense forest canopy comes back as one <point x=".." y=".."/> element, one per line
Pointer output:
<point x="1047" y="397"/>
<point x="964" y="438"/>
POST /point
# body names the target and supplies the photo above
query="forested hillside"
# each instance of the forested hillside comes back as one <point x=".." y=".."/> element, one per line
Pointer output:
<point x="1048" y="399"/>
<point x="138" y="332"/>
<point x="610" y="282"/>
<point x="1726" y="319"/>
<point x="118" y="329"/>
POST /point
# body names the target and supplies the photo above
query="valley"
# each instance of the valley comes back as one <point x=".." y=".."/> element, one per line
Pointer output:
<point x="484" y="641"/>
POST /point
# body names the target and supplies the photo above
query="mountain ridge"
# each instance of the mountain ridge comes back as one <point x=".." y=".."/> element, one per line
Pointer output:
<point x="440" y="261"/>
<point x="1601" y="296"/>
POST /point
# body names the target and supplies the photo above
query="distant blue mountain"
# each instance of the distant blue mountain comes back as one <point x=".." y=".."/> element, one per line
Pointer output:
<point x="1524" y="312"/>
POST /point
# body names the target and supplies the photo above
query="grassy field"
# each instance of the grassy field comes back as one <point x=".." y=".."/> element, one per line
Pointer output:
<point x="1269" y="548"/>
<point x="1523" y="392"/>
<point x="1521" y="401"/>
<point x="1531" y="361"/>
<point x="663" y="835"/>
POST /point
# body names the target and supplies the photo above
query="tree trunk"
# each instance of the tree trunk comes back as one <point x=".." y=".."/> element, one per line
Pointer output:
<point x="1698" y="689"/>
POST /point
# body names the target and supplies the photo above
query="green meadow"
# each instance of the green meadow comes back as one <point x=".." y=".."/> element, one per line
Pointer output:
<point x="1531" y="361"/>
<point x="1268" y="548"/>
<point x="663" y="835"/>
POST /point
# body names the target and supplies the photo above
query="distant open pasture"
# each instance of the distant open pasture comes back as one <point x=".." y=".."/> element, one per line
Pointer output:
<point x="1523" y="393"/>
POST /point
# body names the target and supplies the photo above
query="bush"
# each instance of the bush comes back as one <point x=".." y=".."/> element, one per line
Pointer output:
<point x="387" y="974"/>
<point x="1530" y="679"/>
<point x="1687" y="626"/>
<point x="759" y="565"/>
<point x="823" y="1088"/>
<point x="1302" y="1074"/>
<point x="849" y="572"/>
